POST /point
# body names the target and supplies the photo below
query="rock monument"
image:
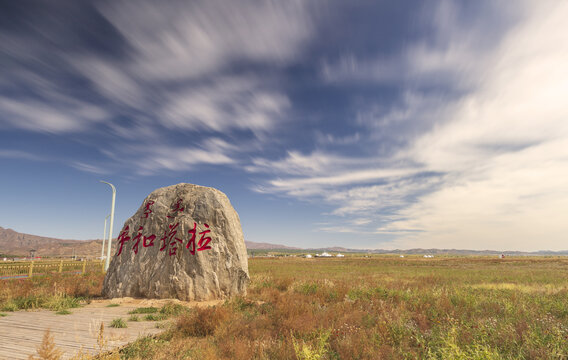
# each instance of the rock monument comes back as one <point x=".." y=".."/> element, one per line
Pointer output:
<point x="184" y="242"/>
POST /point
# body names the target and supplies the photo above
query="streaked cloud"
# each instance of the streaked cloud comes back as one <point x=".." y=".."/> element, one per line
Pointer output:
<point x="226" y="103"/>
<point x="173" y="65"/>
<point x="506" y="148"/>
<point x="89" y="168"/>
<point x="456" y="46"/>
<point x="62" y="117"/>
<point x="316" y="163"/>
<point x="180" y="40"/>
<point x="18" y="154"/>
<point x="157" y="157"/>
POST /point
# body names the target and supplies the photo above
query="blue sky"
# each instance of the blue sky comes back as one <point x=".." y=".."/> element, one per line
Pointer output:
<point x="362" y="124"/>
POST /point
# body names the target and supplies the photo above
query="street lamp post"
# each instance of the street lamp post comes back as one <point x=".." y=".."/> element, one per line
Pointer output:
<point x="107" y="262"/>
<point x="104" y="238"/>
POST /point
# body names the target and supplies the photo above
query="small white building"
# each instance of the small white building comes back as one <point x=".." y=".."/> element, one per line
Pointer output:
<point x="309" y="256"/>
<point x="340" y="255"/>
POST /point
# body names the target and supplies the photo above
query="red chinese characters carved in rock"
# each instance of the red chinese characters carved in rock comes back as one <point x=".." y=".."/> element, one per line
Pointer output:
<point x="176" y="208"/>
<point x="147" y="241"/>
<point x="169" y="238"/>
<point x="122" y="238"/>
<point x="148" y="211"/>
<point x="137" y="239"/>
<point x="202" y="244"/>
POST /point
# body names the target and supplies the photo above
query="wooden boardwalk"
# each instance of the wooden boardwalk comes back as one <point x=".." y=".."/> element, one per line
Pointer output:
<point x="21" y="332"/>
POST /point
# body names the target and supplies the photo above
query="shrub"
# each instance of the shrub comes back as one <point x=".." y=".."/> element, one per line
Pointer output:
<point x="62" y="302"/>
<point x="202" y="322"/>
<point x="312" y="352"/>
<point x="143" y="348"/>
<point x="47" y="350"/>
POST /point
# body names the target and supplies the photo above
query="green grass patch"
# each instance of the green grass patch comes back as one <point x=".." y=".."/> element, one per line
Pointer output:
<point x="155" y="317"/>
<point x="113" y="305"/>
<point x="308" y="288"/>
<point x="11" y="306"/>
<point x="118" y="323"/>
<point x="3" y="314"/>
<point x="62" y="302"/>
<point x="172" y="309"/>
<point x="31" y="302"/>
<point x="143" y="348"/>
<point x="134" y="318"/>
<point x="63" y="312"/>
<point x="144" y="310"/>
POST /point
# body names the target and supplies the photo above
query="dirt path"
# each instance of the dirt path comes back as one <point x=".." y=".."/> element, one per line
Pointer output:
<point x="21" y="332"/>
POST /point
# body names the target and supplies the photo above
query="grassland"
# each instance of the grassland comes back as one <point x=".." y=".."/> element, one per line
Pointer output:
<point x="378" y="308"/>
<point x="55" y="292"/>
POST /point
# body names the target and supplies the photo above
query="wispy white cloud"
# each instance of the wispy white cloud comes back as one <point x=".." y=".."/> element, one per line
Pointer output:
<point x="53" y="117"/>
<point x="336" y="180"/>
<point x="329" y="139"/>
<point x="155" y="157"/>
<point x="376" y="198"/>
<point x="184" y="40"/>
<point x="456" y="46"/>
<point x="89" y="168"/>
<point x="180" y="58"/>
<point x="296" y="163"/>
<point x="18" y="154"/>
<point x="351" y="177"/>
<point x="226" y="103"/>
<point x="114" y="81"/>
<point x="181" y="159"/>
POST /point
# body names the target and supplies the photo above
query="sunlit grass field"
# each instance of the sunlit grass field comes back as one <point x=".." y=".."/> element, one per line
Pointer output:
<point x="378" y="308"/>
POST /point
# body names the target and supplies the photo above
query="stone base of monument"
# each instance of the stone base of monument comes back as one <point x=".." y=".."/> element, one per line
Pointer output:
<point x="184" y="242"/>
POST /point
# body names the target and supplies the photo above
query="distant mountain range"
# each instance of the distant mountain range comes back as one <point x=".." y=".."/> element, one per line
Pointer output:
<point x="19" y="244"/>
<point x="251" y="245"/>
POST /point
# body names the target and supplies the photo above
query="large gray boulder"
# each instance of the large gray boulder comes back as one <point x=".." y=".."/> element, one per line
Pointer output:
<point x="185" y="242"/>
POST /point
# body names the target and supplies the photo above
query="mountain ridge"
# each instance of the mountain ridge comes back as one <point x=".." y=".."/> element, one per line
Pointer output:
<point x="19" y="244"/>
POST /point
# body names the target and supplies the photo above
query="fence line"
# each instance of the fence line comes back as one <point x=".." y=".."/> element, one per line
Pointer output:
<point x="36" y="268"/>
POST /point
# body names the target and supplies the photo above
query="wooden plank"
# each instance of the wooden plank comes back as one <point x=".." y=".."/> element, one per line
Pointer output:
<point x="22" y="332"/>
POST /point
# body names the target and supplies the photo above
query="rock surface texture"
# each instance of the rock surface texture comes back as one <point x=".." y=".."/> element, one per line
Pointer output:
<point x="184" y="242"/>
